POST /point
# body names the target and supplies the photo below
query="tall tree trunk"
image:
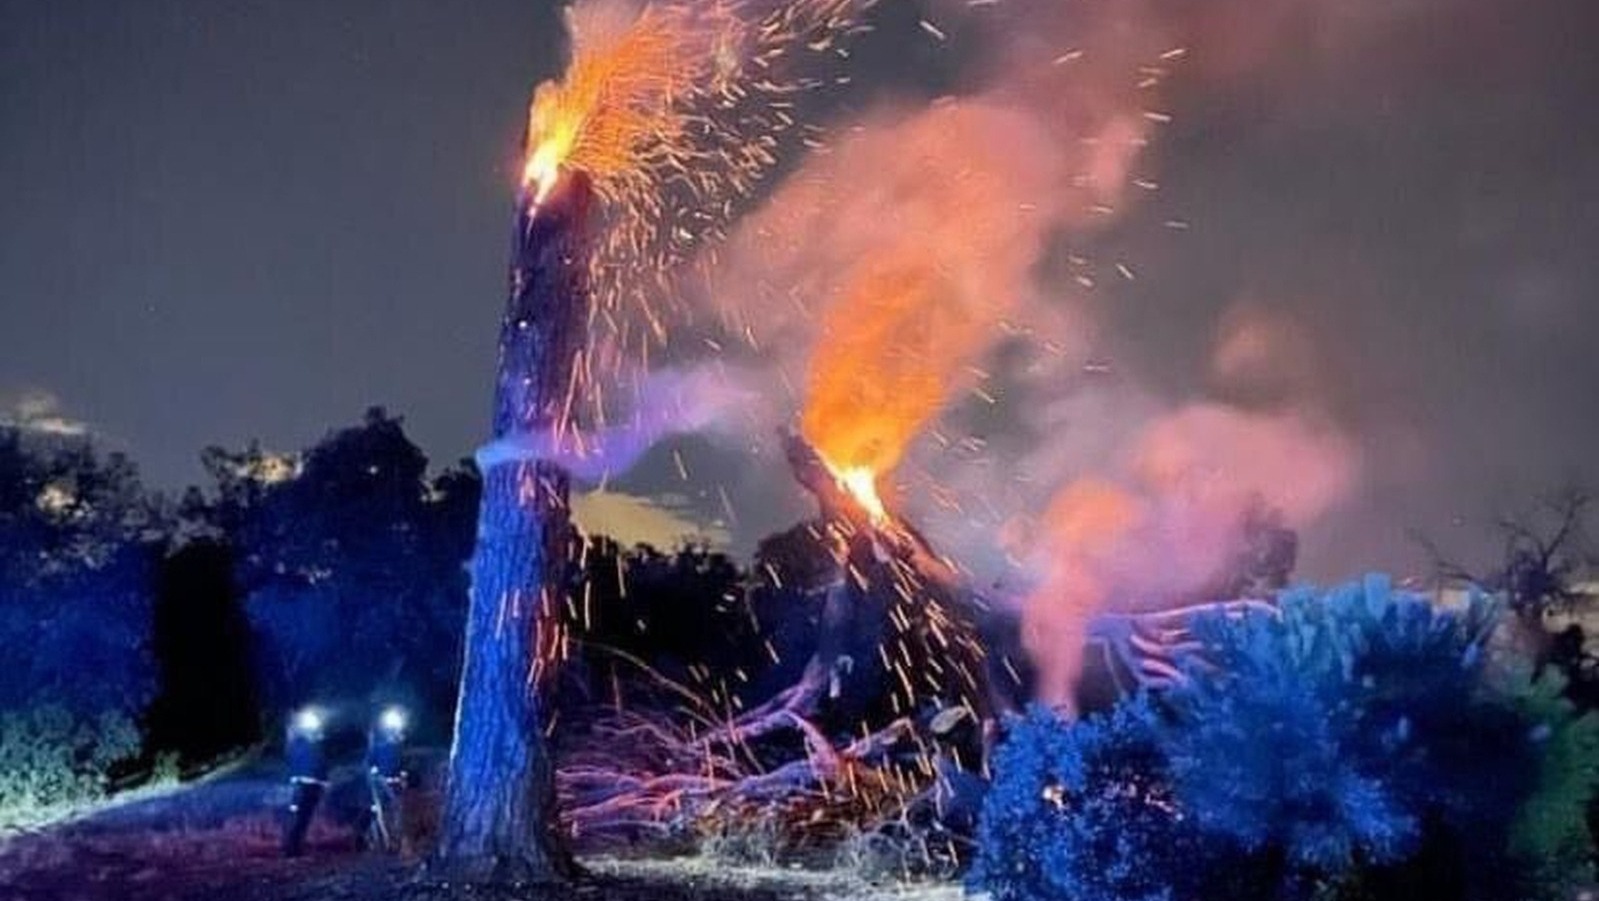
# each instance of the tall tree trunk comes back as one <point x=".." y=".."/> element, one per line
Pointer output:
<point x="499" y="822"/>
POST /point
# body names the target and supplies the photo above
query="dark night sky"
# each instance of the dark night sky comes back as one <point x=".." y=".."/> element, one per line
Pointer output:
<point x="241" y="219"/>
<point x="226" y="220"/>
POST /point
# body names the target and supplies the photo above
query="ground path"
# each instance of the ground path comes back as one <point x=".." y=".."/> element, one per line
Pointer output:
<point x="218" y="839"/>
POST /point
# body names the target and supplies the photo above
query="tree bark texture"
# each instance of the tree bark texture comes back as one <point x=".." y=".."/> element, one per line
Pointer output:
<point x="499" y="822"/>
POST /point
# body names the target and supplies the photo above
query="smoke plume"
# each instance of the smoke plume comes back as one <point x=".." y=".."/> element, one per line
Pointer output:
<point x="924" y="295"/>
<point x="1163" y="519"/>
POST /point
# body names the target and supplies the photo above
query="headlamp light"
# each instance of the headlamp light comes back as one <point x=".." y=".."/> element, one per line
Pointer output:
<point x="393" y="720"/>
<point x="308" y="723"/>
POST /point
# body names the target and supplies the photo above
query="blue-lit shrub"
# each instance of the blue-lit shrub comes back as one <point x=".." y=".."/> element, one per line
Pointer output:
<point x="77" y="545"/>
<point x="1082" y="811"/>
<point x="1330" y="732"/>
<point x="1327" y="750"/>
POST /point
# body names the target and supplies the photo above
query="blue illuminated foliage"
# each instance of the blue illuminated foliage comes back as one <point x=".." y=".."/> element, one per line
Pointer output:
<point x="351" y="564"/>
<point x="1329" y="731"/>
<point x="1082" y="811"/>
<point x="78" y="542"/>
<point x="1336" y="748"/>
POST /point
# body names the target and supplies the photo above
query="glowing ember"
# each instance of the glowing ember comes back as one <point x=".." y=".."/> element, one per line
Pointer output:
<point x="861" y="483"/>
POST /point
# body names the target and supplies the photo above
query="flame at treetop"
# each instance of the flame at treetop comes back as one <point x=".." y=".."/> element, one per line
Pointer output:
<point x="674" y="111"/>
<point x="920" y="235"/>
<point x="861" y="482"/>
<point x="675" y="108"/>
<point x="619" y="111"/>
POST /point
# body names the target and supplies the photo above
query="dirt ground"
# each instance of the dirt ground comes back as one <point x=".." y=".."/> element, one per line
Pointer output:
<point x="219" y="840"/>
<point x="98" y="870"/>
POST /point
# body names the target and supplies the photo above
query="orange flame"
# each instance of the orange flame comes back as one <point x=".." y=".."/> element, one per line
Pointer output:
<point x="674" y="110"/>
<point x="619" y="105"/>
<point x="916" y="272"/>
<point x="884" y="369"/>
<point x="861" y="482"/>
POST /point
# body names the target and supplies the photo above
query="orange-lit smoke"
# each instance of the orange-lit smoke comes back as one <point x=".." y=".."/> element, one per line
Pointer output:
<point x="885" y="268"/>
<point x="878" y="279"/>
<point x="1085" y="525"/>
<point x="883" y="271"/>
<point x="1168" y="522"/>
<point x="883" y="274"/>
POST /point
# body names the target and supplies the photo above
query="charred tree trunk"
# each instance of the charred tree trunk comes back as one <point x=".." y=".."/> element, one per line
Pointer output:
<point x="499" y="822"/>
<point x="936" y="653"/>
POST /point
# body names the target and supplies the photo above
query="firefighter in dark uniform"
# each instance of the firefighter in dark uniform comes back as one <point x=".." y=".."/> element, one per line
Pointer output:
<point x="386" y="777"/>
<point x="308" y="776"/>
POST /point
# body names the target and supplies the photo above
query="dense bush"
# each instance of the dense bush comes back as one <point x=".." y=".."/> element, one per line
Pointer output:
<point x="1332" y="733"/>
<point x="52" y="760"/>
<point x="1549" y="838"/>
<point x="1082" y="811"/>
<point x="1337" y="748"/>
<point x="78" y="540"/>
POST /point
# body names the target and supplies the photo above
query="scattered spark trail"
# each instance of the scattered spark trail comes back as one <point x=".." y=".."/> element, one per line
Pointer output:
<point x="674" y="113"/>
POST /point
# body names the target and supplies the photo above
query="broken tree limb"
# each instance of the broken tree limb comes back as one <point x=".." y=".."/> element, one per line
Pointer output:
<point x="1151" y="648"/>
<point x="891" y="593"/>
<point x="886" y="568"/>
<point x="606" y="795"/>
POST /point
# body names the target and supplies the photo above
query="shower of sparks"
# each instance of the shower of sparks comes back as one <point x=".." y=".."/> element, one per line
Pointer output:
<point x="675" y="113"/>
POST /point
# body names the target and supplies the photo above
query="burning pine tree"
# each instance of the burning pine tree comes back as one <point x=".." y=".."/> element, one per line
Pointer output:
<point x="650" y="100"/>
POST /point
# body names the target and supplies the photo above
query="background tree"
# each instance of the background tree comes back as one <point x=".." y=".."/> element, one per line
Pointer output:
<point x="349" y="560"/>
<point x="684" y="613"/>
<point x="78" y="541"/>
<point x="207" y="705"/>
<point x="78" y="544"/>
<point x="1547" y="551"/>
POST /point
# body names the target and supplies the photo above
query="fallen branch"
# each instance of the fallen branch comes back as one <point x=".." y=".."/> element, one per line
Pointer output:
<point x="605" y="795"/>
<point x="693" y="777"/>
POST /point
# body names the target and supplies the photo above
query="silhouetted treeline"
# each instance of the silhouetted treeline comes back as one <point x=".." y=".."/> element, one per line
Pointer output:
<point x="336" y="575"/>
